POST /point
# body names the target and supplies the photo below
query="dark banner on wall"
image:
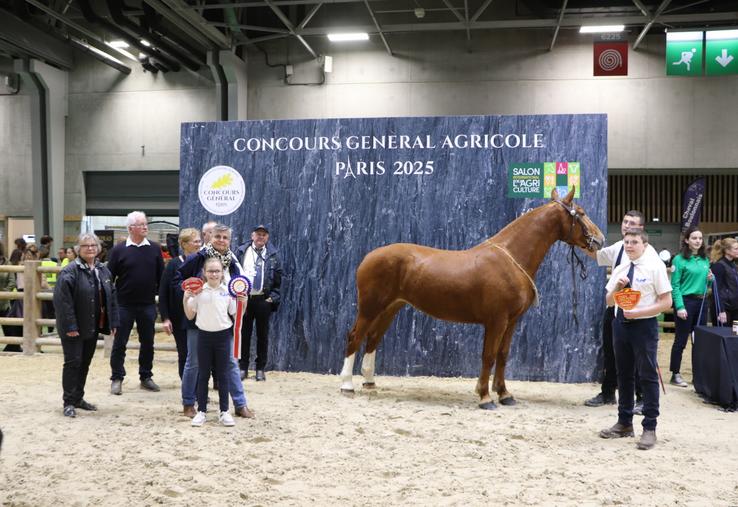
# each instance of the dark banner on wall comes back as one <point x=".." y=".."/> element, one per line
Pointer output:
<point x="692" y="203"/>
<point x="332" y="190"/>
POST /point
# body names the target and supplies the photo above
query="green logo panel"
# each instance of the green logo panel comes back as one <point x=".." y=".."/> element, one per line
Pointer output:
<point x="684" y="58"/>
<point x="721" y="57"/>
<point x="525" y="181"/>
<point x="536" y="181"/>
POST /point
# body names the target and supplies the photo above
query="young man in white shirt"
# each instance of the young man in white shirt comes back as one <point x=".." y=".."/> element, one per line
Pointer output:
<point x="636" y="336"/>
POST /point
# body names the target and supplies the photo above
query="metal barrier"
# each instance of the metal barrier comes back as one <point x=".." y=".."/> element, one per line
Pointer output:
<point x="32" y="322"/>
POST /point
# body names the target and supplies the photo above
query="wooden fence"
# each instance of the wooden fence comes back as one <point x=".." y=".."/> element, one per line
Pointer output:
<point x="32" y="322"/>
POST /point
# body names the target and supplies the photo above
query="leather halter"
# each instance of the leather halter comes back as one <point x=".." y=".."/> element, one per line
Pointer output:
<point x="575" y="218"/>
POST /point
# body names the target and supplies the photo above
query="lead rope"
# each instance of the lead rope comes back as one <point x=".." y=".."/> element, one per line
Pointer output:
<point x="574" y="260"/>
<point x="509" y="256"/>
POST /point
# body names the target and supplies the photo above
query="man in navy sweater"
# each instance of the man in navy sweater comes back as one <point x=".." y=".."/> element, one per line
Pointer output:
<point x="136" y="266"/>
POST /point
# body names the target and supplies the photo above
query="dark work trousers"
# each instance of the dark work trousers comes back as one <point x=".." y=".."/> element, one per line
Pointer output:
<point x="17" y="305"/>
<point x="609" y="369"/>
<point x="635" y="343"/>
<point x="77" y="358"/>
<point x="180" y="339"/>
<point x="144" y="316"/>
<point x="259" y="310"/>
<point x="214" y="349"/>
<point x="684" y="328"/>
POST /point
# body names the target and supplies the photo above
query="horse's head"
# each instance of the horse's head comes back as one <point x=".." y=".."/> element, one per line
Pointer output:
<point x="578" y="229"/>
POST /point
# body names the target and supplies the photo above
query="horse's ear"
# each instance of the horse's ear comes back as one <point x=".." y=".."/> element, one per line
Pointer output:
<point x="554" y="195"/>
<point x="570" y="196"/>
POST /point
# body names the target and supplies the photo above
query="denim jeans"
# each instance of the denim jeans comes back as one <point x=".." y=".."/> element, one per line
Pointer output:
<point x="191" y="369"/>
<point x="212" y="348"/>
<point x="144" y="316"/>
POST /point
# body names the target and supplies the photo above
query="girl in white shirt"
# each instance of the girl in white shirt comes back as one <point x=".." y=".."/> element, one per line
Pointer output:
<point x="213" y="307"/>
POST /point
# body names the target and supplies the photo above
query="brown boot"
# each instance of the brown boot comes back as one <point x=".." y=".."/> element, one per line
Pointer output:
<point x="245" y="412"/>
<point x="647" y="441"/>
<point x="189" y="410"/>
<point x="617" y="431"/>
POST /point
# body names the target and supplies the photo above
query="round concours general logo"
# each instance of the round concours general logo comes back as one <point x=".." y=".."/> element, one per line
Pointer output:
<point x="221" y="190"/>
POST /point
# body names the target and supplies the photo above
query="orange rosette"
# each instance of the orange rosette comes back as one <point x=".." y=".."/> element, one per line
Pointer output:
<point x="627" y="299"/>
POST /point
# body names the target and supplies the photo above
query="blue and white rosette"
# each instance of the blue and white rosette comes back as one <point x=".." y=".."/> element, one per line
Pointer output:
<point x="239" y="285"/>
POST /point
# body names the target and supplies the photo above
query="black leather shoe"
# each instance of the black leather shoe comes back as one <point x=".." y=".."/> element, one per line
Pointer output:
<point x="260" y="377"/>
<point x="69" y="411"/>
<point x="149" y="385"/>
<point x="83" y="405"/>
<point x="600" y="400"/>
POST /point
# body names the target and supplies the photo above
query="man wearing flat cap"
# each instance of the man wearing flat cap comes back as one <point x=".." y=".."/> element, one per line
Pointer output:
<point x="261" y="258"/>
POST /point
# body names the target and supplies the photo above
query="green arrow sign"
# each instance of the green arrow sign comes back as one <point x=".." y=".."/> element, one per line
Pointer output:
<point x="721" y="53"/>
<point x="684" y="53"/>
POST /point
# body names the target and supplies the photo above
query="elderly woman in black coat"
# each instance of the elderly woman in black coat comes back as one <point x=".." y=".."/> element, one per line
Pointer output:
<point x="86" y="306"/>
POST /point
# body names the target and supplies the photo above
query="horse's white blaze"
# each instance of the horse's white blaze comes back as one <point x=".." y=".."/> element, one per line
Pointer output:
<point x="347" y="383"/>
<point x="367" y="367"/>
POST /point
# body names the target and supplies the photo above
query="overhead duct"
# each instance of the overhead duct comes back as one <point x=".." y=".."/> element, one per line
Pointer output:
<point x="164" y="63"/>
<point x="116" y="12"/>
<point x="152" y="22"/>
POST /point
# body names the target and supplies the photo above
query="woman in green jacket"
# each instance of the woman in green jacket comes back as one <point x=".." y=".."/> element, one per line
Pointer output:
<point x="689" y="285"/>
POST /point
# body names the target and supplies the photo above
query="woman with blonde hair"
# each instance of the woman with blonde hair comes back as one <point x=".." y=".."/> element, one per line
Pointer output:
<point x="170" y="294"/>
<point x="723" y="257"/>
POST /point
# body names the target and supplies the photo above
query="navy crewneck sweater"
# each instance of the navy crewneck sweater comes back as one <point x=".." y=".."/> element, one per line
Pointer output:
<point x="136" y="271"/>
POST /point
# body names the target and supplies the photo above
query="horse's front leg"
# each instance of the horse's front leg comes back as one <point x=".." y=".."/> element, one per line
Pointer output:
<point x="492" y="341"/>
<point x="499" y="379"/>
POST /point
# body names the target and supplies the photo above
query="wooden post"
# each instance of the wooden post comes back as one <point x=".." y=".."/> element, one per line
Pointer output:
<point x="31" y="306"/>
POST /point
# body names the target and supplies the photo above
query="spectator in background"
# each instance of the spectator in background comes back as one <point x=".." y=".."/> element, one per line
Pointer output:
<point x="689" y="279"/>
<point x="207" y="231"/>
<point x="136" y="266"/>
<point x="16" y="306"/>
<point x="69" y="256"/>
<point x="86" y="306"/>
<point x="20" y="247"/>
<point x="263" y="260"/>
<point x="171" y="294"/>
<point x="723" y="256"/>
<point x="61" y="254"/>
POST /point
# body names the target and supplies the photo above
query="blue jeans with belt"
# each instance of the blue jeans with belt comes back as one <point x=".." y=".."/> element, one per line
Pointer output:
<point x="636" y="342"/>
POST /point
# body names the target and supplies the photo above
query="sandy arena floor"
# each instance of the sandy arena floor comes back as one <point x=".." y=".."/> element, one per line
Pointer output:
<point x="414" y="441"/>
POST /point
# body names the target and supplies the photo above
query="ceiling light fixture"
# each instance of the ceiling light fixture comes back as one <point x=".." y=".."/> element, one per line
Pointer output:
<point x="601" y="28"/>
<point x="120" y="46"/>
<point x="343" y="37"/>
<point x="145" y="43"/>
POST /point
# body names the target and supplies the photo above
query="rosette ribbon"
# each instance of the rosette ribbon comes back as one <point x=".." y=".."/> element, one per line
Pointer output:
<point x="239" y="285"/>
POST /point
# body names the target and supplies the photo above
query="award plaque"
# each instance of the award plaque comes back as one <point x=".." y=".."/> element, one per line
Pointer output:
<point x="193" y="284"/>
<point x="627" y="299"/>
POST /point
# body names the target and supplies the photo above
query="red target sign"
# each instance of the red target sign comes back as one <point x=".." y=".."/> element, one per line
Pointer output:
<point x="610" y="58"/>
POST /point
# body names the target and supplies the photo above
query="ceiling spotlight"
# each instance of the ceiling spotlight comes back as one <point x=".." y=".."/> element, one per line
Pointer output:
<point x="419" y="12"/>
<point x="145" y="43"/>
<point x="601" y="28"/>
<point x="117" y="44"/>
<point x="343" y="37"/>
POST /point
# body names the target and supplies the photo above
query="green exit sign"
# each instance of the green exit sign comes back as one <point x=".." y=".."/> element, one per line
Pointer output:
<point x="684" y="53"/>
<point x="721" y="52"/>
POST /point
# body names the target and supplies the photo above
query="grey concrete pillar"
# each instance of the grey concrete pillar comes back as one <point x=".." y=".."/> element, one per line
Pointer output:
<point x="48" y="89"/>
<point x="230" y="74"/>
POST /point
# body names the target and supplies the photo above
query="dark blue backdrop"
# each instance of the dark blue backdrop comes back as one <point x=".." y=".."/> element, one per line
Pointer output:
<point x="324" y="219"/>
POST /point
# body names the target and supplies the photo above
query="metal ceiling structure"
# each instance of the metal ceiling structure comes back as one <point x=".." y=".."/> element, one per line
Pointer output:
<point x="175" y="35"/>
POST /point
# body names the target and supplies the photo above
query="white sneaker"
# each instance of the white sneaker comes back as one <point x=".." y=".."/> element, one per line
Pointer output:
<point x="199" y="419"/>
<point x="226" y="419"/>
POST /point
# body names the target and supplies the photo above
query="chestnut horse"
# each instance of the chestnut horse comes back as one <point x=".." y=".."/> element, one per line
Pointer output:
<point x="490" y="284"/>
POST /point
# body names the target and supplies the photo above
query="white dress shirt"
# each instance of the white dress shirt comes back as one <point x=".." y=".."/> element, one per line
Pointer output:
<point x="213" y="307"/>
<point x="649" y="277"/>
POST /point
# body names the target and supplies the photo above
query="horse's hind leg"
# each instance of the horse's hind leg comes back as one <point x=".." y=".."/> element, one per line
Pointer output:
<point x="498" y="383"/>
<point x="376" y="332"/>
<point x="355" y="337"/>
<point x="492" y="341"/>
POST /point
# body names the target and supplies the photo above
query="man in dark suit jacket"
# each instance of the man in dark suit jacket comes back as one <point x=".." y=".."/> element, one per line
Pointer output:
<point x="258" y="257"/>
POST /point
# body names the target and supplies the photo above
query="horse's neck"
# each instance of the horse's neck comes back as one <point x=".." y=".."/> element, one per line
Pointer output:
<point x="529" y="237"/>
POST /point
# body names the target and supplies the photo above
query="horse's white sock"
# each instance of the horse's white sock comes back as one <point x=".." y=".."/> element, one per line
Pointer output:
<point x="367" y="367"/>
<point x="347" y="372"/>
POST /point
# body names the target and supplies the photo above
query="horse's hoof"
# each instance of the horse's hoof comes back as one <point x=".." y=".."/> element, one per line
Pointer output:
<point x="369" y="385"/>
<point x="508" y="402"/>
<point x="490" y="405"/>
<point x="349" y="393"/>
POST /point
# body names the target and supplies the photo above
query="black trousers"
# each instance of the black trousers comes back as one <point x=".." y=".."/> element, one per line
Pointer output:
<point x="636" y="343"/>
<point x="180" y="339"/>
<point x="213" y="349"/>
<point x="77" y="358"/>
<point x="684" y="328"/>
<point x="609" y="367"/>
<point x="258" y="311"/>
